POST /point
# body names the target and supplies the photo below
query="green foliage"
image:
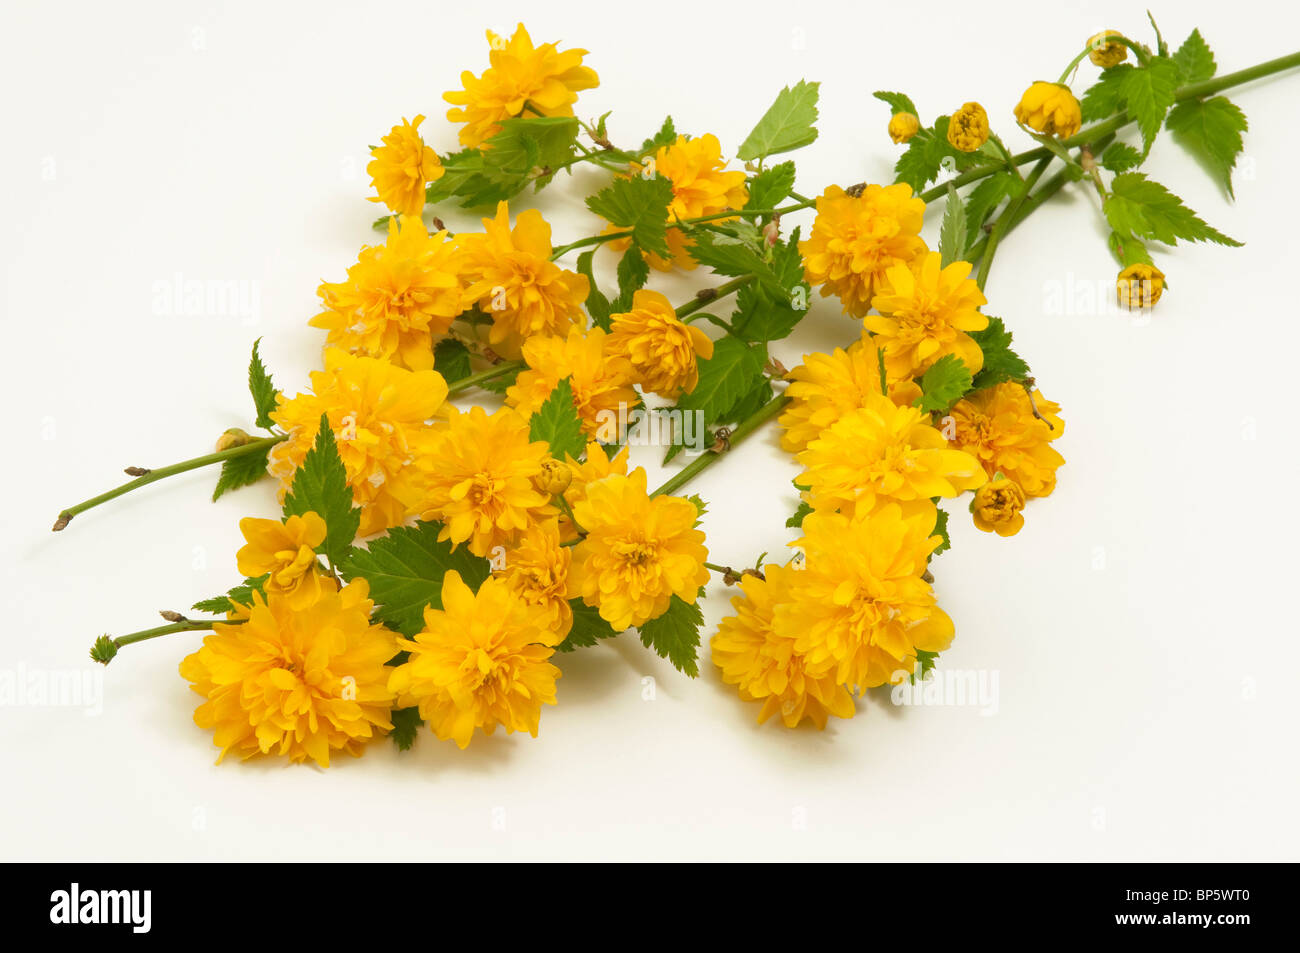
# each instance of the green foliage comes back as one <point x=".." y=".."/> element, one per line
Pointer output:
<point x="406" y="726"/>
<point x="952" y="232"/>
<point x="1211" y="130"/>
<point x="927" y="153"/>
<point x="507" y="163"/>
<point x="941" y="530"/>
<point x="675" y="635"/>
<point x="405" y="570"/>
<point x="633" y="272"/>
<point x="924" y="664"/>
<point x="320" y="485"/>
<point x="762" y="315"/>
<point x="1000" y="362"/>
<point x="557" y="422"/>
<point x="983" y="199"/>
<point x="943" y="384"/>
<point x="639" y="204"/>
<point x="1105" y="97"/>
<point x="588" y="628"/>
<point x="104" y="650"/>
<point x="1194" y="60"/>
<point x="771" y="187"/>
<point x="1148" y="93"/>
<point x="499" y="385"/>
<point x="734" y="371"/>
<point x="262" y="388"/>
<point x="451" y="360"/>
<point x="666" y="136"/>
<point x="787" y="124"/>
<point x="241" y="594"/>
<point x="1128" y="251"/>
<point x="240" y="471"/>
<point x="1144" y="208"/>
<point x="598" y="305"/>
<point x="802" y="510"/>
<point x="898" y="102"/>
<point x="734" y="258"/>
<point x="1120" y="157"/>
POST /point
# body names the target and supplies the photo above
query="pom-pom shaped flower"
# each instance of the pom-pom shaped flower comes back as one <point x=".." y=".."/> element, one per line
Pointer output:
<point x="543" y="78"/>
<point x="297" y="681"/>
<point x="1010" y="431"/>
<point x="537" y="570"/>
<point x="1139" y="286"/>
<point x="638" y="552"/>
<point x="479" y="662"/>
<point x="509" y="275"/>
<point x="880" y="454"/>
<point x="378" y="413"/>
<point x="997" y="507"/>
<point x="661" y="348"/>
<point x="1050" y="108"/>
<point x="287" y="551"/>
<point x="861" y="604"/>
<point x="600" y="379"/>
<point x="763" y="663"/>
<point x="477" y="479"/>
<point x="402" y="167"/>
<point x="856" y="238"/>
<point x="1105" y="52"/>
<point x="397" y="300"/>
<point x="968" y="128"/>
<point x="903" y="126"/>
<point x="925" y="313"/>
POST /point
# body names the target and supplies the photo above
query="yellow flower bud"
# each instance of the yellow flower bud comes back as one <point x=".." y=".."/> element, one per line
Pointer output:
<point x="1106" y="53"/>
<point x="903" y="126"/>
<point x="1139" y="286"/>
<point x="234" y="437"/>
<point x="968" y="129"/>
<point x="997" y="507"/>
<point x="1051" y="109"/>
<point x="554" y="478"/>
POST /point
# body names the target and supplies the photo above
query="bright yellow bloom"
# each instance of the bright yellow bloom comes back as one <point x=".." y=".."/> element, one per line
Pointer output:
<point x="480" y="661"/>
<point x="925" y="312"/>
<point x="883" y="453"/>
<point x="1105" y="51"/>
<point x="595" y="466"/>
<point x="661" y="348"/>
<point x="903" y="126"/>
<point x="763" y="663"/>
<point x="968" y="128"/>
<point x="554" y="478"/>
<point x="1139" y="286"/>
<point x="543" y="78"/>
<point x="300" y="681"/>
<point x="288" y="552"/>
<point x="997" y="507"/>
<point x="826" y="387"/>
<point x="638" y="553"/>
<point x="398" y="299"/>
<point x="510" y="276"/>
<point x="856" y="239"/>
<point x="1051" y="109"/>
<point x="477" y="479"/>
<point x="537" y="570"/>
<point x="601" y="380"/>
<point x="402" y="167"/>
<point x="378" y="414"/>
<point x="861" y="604"/>
<point x="998" y="425"/>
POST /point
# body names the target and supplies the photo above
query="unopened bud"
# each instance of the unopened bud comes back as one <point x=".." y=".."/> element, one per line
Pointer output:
<point x="234" y="437"/>
<point x="554" y="478"/>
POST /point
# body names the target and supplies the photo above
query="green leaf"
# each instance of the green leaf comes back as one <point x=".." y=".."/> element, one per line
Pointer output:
<point x="1211" y="130"/>
<point x="787" y="124"/>
<point x="524" y="143"/>
<point x="941" y="529"/>
<point x="241" y="594"/>
<point x="451" y="360"/>
<point x="762" y="316"/>
<point x="557" y="422"/>
<point x="898" y="102"/>
<point x="406" y="726"/>
<point x="727" y="377"/>
<point x="639" y="204"/>
<point x="1000" y="362"/>
<point x="700" y="507"/>
<point x="243" y="470"/>
<point x="982" y="200"/>
<point x="320" y="485"/>
<point x="733" y="258"/>
<point x="1194" y="60"/>
<point x="924" y="664"/>
<point x="597" y="304"/>
<point x="1105" y="97"/>
<point x="1121" y="157"/>
<point x="262" y="389"/>
<point x="405" y="571"/>
<point x="499" y="385"/>
<point x="588" y="628"/>
<point x="769" y="188"/>
<point x="1161" y="47"/>
<point x="1143" y="208"/>
<point x="944" y="384"/>
<point x="1128" y="251"/>
<point x="633" y="272"/>
<point x="666" y="136"/>
<point x="927" y="153"/>
<point x="675" y="635"/>
<point x="796" y="521"/>
<point x="952" y="233"/>
<point x="1148" y="94"/>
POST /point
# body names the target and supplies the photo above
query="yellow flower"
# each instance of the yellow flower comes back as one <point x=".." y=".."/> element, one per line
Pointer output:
<point x="378" y="414"/>
<point x="860" y="604"/>
<point x="595" y="466"/>
<point x="510" y="276"/>
<point x="903" y="126"/>
<point x="1051" y="109"/>
<point x="479" y="662"/>
<point x="401" y="168"/>
<point x="1105" y="51"/>
<point x="855" y="239"/>
<point x="925" y="312"/>
<point x="998" y="425"/>
<point x="543" y="78"/>
<point x="763" y="663"/>
<point x="478" y="477"/>
<point x="1139" y="286"/>
<point x="537" y="570"/>
<point x="826" y="387"/>
<point x="661" y="348"/>
<point x="398" y="299"/>
<point x="997" y="507"/>
<point x="554" y="478"/>
<point x="968" y="128"/>
<point x="298" y="681"/>
<point x="601" y="380"/>
<point x="638" y="553"/>
<point x="288" y="552"/>
<point x="883" y="453"/>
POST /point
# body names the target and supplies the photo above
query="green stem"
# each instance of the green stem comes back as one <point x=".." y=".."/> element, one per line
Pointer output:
<point x="713" y="294"/>
<point x="189" y="625"/>
<point x="153" y="476"/>
<point x="1002" y="225"/>
<point x="709" y="457"/>
<point x="568" y="511"/>
<point x="491" y="373"/>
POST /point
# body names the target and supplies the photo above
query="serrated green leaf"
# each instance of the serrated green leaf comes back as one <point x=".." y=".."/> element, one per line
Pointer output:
<point x="320" y="485"/>
<point x="726" y="378"/>
<point x="733" y="258"/>
<point x="405" y="570"/>
<point x="1120" y="157"/>
<point x="941" y="530"/>
<point x="1148" y="93"/>
<point x="943" y="384"/>
<point x="406" y="726"/>
<point x="898" y="102"/>
<point x="1211" y="130"/>
<point x="925" y="662"/>
<point x="640" y="204"/>
<point x="1144" y="208"/>
<point x="980" y="203"/>
<point x="927" y="153"/>
<point x="241" y="594"/>
<point x="451" y="360"/>
<point x="675" y="635"/>
<point x="262" y="388"/>
<point x="787" y="124"/>
<point x="597" y="304"/>
<point x="1194" y="60"/>
<point x="243" y="470"/>
<point x="525" y="142"/>
<point x="557" y="422"/>
<point x="952" y="232"/>
<point x="760" y="315"/>
<point x="1105" y="97"/>
<point x="769" y="188"/>
<point x="1000" y="362"/>
<point x="633" y="272"/>
<point x="588" y="628"/>
<point x="796" y="521"/>
<point x="666" y="136"/>
<point x="1128" y="250"/>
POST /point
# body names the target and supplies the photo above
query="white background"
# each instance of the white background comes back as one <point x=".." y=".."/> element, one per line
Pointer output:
<point x="1140" y="625"/>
